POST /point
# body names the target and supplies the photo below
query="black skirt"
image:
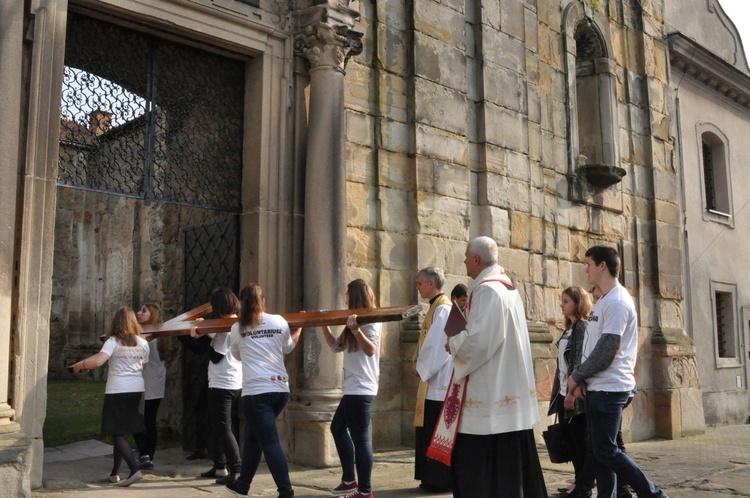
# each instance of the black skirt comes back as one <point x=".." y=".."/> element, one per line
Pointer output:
<point x="497" y="466"/>
<point x="120" y="414"/>
<point x="433" y="474"/>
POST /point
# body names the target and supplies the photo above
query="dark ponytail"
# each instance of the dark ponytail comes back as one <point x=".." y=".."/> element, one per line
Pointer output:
<point x="252" y="305"/>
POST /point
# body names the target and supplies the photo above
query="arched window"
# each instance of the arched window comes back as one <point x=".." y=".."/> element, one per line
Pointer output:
<point x="715" y="175"/>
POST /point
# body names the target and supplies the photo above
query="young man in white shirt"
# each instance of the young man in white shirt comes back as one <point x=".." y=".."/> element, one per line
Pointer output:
<point x="605" y="376"/>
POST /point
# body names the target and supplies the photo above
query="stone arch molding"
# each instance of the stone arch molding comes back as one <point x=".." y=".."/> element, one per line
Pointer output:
<point x="572" y="17"/>
<point x="710" y="127"/>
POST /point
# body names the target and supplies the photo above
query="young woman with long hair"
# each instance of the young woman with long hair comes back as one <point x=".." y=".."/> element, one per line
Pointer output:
<point x="155" y="379"/>
<point x="576" y="305"/>
<point x="350" y="426"/>
<point x="126" y="351"/>
<point x="224" y="388"/>
<point x="260" y="340"/>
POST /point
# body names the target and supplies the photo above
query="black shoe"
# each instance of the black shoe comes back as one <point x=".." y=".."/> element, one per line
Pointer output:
<point x="145" y="463"/>
<point x="287" y="494"/>
<point x="215" y="472"/>
<point x="581" y="493"/>
<point x="231" y="477"/>
<point x="239" y="490"/>
<point x="198" y="455"/>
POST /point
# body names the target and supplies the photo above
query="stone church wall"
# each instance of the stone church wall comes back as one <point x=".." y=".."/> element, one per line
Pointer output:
<point x="458" y="125"/>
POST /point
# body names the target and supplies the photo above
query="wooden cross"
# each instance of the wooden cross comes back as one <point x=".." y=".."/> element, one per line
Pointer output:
<point x="181" y="325"/>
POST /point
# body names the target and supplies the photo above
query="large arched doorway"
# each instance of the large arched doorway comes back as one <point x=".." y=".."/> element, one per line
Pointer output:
<point x="149" y="193"/>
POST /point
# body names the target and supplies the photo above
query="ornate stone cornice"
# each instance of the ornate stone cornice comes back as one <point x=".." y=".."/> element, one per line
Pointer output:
<point x="708" y="69"/>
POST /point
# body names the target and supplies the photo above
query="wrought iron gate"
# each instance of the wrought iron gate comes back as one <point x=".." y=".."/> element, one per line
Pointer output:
<point x="211" y="260"/>
<point x="155" y="120"/>
<point x="148" y="118"/>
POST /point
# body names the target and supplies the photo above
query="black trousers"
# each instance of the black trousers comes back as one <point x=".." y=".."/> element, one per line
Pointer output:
<point x="222" y="409"/>
<point x="146" y="441"/>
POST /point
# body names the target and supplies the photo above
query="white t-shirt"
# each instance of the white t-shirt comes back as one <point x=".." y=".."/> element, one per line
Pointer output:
<point x="227" y="374"/>
<point x="562" y="365"/>
<point x="155" y="374"/>
<point x="614" y="313"/>
<point x="261" y="351"/>
<point x="434" y="363"/>
<point x="361" y="372"/>
<point x="125" y="366"/>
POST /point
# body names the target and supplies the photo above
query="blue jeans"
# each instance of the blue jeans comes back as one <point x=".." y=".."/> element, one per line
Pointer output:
<point x="350" y="428"/>
<point x="604" y="413"/>
<point x="262" y="438"/>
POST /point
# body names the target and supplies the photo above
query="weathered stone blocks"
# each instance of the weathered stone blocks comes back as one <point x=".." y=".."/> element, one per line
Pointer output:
<point x="439" y="144"/>
<point x="440" y="106"/>
<point x="442" y="216"/>
<point x="504" y="87"/>
<point x="440" y="21"/>
<point x="495" y="223"/>
<point x="396" y="209"/>
<point x="439" y="62"/>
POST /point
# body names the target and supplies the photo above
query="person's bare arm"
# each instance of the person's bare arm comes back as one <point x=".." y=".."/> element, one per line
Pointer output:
<point x="90" y="363"/>
<point x="367" y="346"/>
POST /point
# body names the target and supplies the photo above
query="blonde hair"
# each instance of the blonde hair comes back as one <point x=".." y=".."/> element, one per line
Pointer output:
<point x="125" y="327"/>
<point x="583" y="301"/>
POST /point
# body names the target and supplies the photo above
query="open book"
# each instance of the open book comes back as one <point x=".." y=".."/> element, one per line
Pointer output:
<point x="456" y="321"/>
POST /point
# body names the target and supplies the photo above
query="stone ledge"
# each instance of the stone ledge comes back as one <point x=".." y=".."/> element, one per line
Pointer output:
<point x="15" y="464"/>
<point x="669" y="341"/>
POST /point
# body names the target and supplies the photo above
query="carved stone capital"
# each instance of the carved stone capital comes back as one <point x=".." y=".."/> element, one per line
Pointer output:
<point x="327" y="46"/>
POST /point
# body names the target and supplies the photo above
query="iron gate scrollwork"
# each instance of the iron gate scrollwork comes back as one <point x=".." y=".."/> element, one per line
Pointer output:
<point x="148" y="118"/>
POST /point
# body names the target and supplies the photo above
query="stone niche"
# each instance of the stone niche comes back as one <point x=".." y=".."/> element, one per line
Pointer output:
<point x="594" y="162"/>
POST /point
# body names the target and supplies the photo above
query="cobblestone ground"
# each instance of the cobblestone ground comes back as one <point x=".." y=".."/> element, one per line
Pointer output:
<point x="713" y="465"/>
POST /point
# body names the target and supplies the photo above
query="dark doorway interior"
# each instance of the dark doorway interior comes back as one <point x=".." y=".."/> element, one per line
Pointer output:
<point x="149" y="188"/>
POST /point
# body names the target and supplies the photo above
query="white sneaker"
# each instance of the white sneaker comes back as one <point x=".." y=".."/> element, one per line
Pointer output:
<point x="130" y="480"/>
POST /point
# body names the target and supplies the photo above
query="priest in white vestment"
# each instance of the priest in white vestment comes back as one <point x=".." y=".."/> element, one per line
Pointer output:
<point x="495" y="452"/>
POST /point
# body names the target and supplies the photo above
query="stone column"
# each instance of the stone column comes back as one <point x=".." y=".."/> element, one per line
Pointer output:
<point x="327" y="42"/>
<point x="11" y="40"/>
<point x="37" y="191"/>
